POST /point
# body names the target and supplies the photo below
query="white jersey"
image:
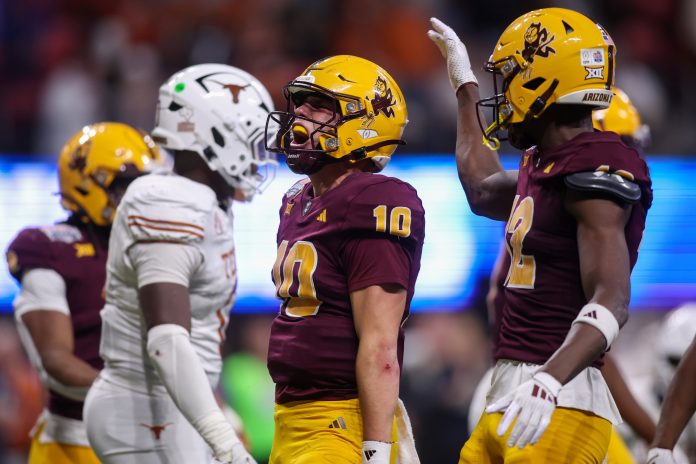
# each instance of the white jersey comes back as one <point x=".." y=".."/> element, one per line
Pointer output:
<point x="171" y="209"/>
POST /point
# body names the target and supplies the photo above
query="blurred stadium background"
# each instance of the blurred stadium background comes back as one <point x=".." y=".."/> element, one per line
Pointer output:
<point x="66" y="63"/>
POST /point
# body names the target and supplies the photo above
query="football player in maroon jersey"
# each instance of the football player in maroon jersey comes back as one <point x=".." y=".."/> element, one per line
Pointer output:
<point x="576" y="212"/>
<point x="623" y="118"/>
<point x="349" y="249"/>
<point x="62" y="269"/>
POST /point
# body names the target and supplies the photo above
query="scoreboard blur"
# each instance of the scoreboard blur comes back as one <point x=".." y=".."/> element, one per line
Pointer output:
<point x="459" y="250"/>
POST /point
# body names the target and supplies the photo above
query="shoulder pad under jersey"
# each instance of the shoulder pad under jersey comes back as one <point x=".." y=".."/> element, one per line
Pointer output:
<point x="36" y="247"/>
<point x="167" y="208"/>
<point x="605" y="182"/>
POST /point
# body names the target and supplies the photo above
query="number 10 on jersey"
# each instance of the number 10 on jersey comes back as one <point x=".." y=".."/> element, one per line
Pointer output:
<point x="399" y="222"/>
<point x="296" y="265"/>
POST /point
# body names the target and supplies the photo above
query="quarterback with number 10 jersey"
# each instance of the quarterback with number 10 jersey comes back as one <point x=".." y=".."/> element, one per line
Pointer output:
<point x="366" y="231"/>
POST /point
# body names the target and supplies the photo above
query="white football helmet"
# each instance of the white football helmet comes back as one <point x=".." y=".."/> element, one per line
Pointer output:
<point x="219" y="112"/>
<point x="673" y="338"/>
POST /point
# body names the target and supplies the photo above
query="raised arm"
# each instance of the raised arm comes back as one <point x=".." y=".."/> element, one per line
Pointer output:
<point x="489" y="189"/>
<point x="377" y="313"/>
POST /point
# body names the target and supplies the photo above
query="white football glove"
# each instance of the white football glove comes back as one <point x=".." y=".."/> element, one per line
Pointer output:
<point x="224" y="441"/>
<point x="376" y="452"/>
<point x="660" y="456"/>
<point x="454" y="51"/>
<point x="237" y="455"/>
<point x="532" y="403"/>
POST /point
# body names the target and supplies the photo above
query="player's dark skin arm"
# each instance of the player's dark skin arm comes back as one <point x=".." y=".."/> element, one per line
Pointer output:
<point x="631" y="411"/>
<point x="605" y="275"/>
<point x="377" y="313"/>
<point x="52" y="334"/>
<point x="680" y="402"/>
<point x="165" y="303"/>
<point x="489" y="189"/>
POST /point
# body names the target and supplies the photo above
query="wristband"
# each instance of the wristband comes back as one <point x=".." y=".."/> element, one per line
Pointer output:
<point x="376" y="452"/>
<point x="600" y="318"/>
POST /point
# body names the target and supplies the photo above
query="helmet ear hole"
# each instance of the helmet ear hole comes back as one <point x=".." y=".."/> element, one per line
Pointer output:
<point x="534" y="83"/>
<point x="217" y="137"/>
<point x="568" y="28"/>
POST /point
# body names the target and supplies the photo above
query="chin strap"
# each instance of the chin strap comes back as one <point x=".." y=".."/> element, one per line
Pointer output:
<point x="493" y="143"/>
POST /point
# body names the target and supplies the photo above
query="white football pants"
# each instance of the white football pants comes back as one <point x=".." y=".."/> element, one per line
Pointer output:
<point x="129" y="427"/>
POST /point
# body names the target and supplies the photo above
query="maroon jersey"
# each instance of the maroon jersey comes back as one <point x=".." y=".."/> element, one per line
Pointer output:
<point x="497" y="283"/>
<point x="80" y="259"/>
<point x="543" y="288"/>
<point x="367" y="231"/>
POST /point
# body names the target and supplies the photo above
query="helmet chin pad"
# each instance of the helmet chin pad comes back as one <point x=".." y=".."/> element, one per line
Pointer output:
<point x="308" y="162"/>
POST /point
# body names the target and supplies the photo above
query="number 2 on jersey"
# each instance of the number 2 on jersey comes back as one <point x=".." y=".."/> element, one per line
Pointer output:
<point x="522" y="272"/>
<point x="298" y="264"/>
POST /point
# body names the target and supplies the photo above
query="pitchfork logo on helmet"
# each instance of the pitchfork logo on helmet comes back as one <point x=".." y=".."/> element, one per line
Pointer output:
<point x="78" y="159"/>
<point x="537" y="42"/>
<point x="548" y="56"/>
<point x="384" y="100"/>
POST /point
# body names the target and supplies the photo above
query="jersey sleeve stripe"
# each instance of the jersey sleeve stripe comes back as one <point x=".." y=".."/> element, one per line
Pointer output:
<point x="134" y="218"/>
<point x="166" y="229"/>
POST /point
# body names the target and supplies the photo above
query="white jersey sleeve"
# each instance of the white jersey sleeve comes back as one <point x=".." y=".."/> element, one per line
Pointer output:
<point x="164" y="262"/>
<point x="154" y="211"/>
<point x="42" y="289"/>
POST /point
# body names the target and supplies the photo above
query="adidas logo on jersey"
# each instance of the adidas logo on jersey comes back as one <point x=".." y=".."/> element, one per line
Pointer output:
<point x="339" y="423"/>
<point x="369" y="454"/>
<point x="322" y="216"/>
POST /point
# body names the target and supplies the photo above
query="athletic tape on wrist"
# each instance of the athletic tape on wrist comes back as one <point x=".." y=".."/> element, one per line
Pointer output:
<point x="602" y="319"/>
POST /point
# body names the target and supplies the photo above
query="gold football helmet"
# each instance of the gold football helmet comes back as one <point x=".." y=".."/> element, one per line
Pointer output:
<point x="369" y="107"/>
<point x="95" y="160"/>
<point x="623" y="118"/>
<point x="548" y="56"/>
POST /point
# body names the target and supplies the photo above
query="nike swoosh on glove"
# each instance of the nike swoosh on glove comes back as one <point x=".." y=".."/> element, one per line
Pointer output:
<point x="454" y="51"/>
<point x="532" y="404"/>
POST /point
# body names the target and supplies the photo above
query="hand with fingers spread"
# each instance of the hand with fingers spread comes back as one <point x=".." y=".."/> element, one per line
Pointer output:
<point x="454" y="51"/>
<point x="532" y="404"/>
